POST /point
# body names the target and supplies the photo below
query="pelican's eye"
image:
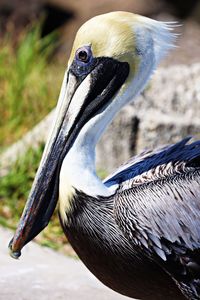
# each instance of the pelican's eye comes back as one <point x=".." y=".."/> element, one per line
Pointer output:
<point x="83" y="62"/>
<point x="84" y="55"/>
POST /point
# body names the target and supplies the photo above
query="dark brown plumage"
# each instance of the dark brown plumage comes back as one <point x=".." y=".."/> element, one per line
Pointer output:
<point x="93" y="233"/>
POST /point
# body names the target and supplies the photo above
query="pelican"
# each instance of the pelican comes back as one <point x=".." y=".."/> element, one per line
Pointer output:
<point x="138" y="231"/>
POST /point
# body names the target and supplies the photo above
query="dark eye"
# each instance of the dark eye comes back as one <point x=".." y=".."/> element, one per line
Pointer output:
<point x="84" y="54"/>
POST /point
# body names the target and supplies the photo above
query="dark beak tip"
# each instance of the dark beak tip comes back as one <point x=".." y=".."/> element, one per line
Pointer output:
<point x="13" y="254"/>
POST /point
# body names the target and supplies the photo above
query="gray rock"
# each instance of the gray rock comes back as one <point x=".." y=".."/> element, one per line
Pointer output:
<point x="159" y="129"/>
<point x="32" y="139"/>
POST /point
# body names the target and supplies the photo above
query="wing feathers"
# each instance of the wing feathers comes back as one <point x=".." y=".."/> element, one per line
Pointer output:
<point x="157" y="206"/>
<point x="160" y="161"/>
<point x="167" y="209"/>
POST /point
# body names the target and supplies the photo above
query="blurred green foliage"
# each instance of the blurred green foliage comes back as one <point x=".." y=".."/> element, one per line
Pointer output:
<point x="14" y="189"/>
<point x="29" y="83"/>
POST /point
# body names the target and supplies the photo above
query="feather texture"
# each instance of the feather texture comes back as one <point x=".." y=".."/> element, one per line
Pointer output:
<point x="157" y="206"/>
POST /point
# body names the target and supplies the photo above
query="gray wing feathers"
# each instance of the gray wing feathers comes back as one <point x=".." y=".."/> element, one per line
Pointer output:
<point x="157" y="206"/>
<point x="163" y="210"/>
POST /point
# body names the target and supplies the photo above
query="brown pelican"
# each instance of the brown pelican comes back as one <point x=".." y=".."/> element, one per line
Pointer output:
<point x="138" y="231"/>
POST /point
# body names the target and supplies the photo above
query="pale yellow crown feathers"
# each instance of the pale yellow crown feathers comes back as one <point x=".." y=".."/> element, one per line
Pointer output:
<point x="120" y="35"/>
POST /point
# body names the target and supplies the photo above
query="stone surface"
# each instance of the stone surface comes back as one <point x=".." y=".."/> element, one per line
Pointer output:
<point x="32" y="139"/>
<point x="154" y="132"/>
<point x="42" y="274"/>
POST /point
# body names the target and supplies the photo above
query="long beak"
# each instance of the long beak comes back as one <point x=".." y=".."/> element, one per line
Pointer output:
<point x="80" y="99"/>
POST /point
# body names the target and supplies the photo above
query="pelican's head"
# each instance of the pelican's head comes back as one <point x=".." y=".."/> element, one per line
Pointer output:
<point x="112" y="58"/>
<point x="124" y="37"/>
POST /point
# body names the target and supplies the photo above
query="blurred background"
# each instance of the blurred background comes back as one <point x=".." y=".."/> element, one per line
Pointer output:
<point x="35" y="41"/>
